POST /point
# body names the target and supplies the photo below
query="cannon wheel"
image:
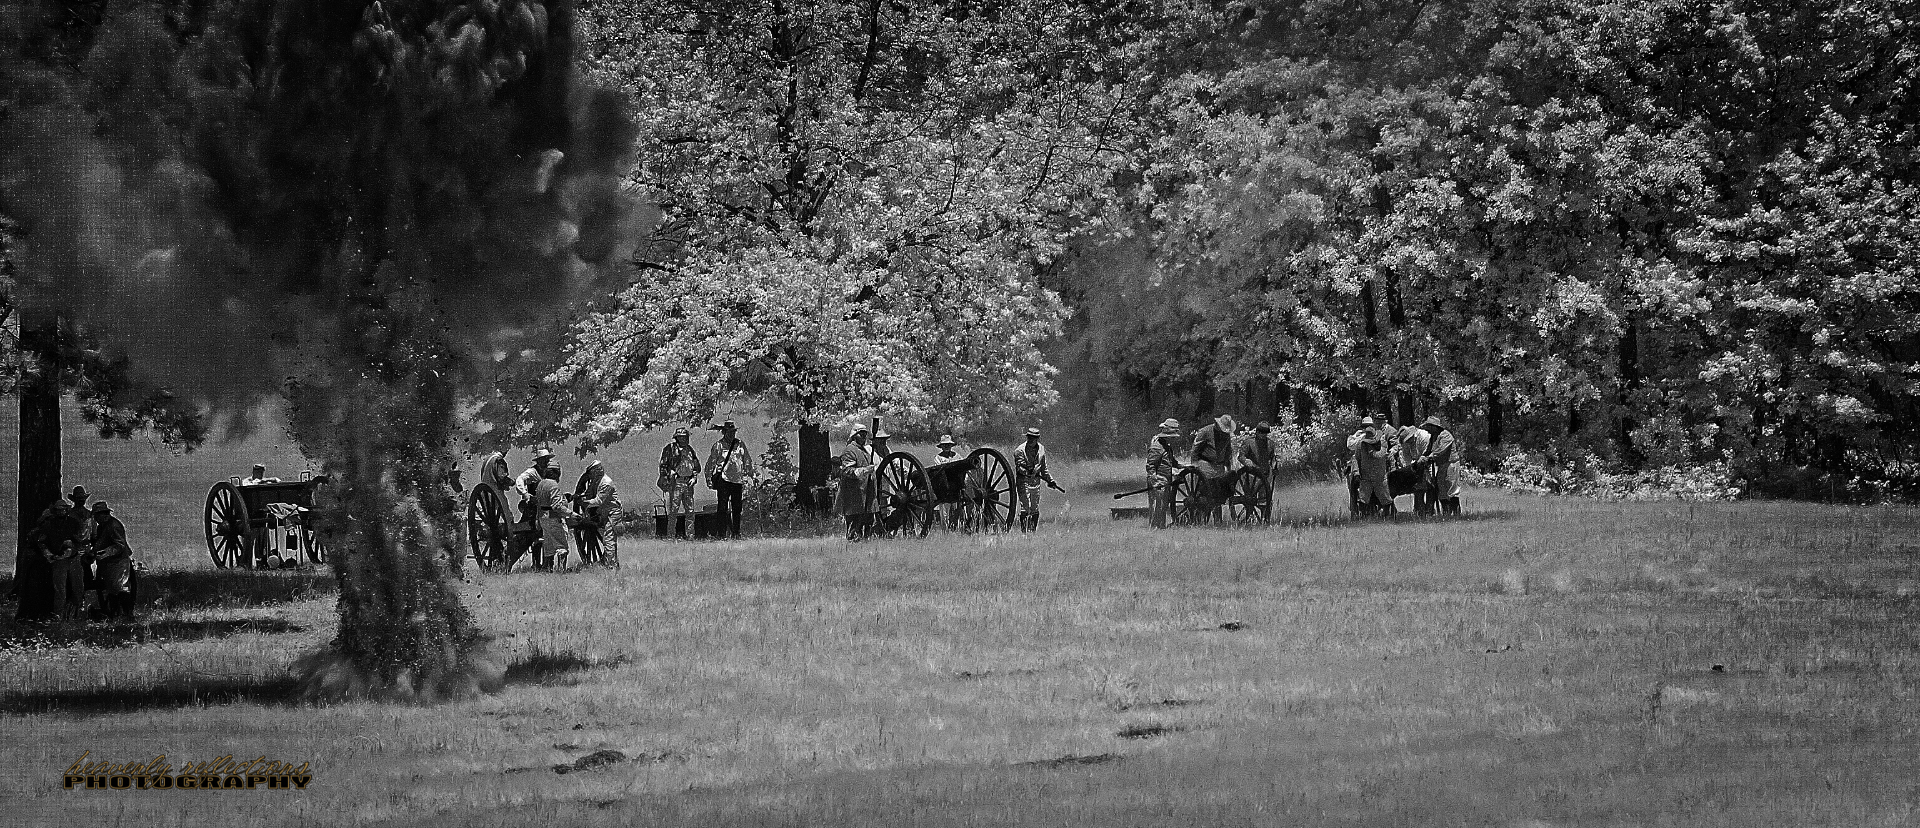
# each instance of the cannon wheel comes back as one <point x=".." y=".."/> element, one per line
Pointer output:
<point x="487" y="528"/>
<point x="988" y="494"/>
<point x="905" y="487"/>
<point x="1252" y="498"/>
<point x="228" y="535"/>
<point x="1187" y="506"/>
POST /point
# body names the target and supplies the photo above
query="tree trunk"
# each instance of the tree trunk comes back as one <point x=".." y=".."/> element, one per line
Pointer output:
<point x="1404" y="400"/>
<point x="816" y="455"/>
<point x="1495" y="416"/>
<point x="1629" y="383"/>
<point x="1302" y="408"/>
<point x="39" y="444"/>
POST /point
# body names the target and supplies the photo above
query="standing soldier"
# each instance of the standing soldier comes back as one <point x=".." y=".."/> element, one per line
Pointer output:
<point x="554" y="517"/>
<point x="1437" y="462"/>
<point x="948" y="511"/>
<point x="679" y="467"/>
<point x="524" y="535"/>
<point x="1413" y="444"/>
<point x="1163" y="462"/>
<point x="1214" y="458"/>
<point x="1029" y="471"/>
<point x="114" y="559"/>
<point x="729" y="467"/>
<point x="1372" y="459"/>
<point x="599" y="503"/>
<point x="856" y="468"/>
<point x="1257" y="452"/>
<point x="59" y="537"/>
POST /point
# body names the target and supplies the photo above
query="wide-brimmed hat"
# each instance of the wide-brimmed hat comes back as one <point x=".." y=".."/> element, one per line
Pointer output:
<point x="542" y="453"/>
<point x="79" y="492"/>
<point x="1262" y="428"/>
<point x="1170" y="424"/>
<point x="1224" y="422"/>
<point x="946" y="440"/>
<point x="857" y="431"/>
<point x="681" y="432"/>
<point x="1434" y="419"/>
<point x="726" y="424"/>
<point x="596" y="465"/>
<point x="882" y="435"/>
<point x="1366" y="421"/>
<point x="1033" y="432"/>
<point x="101" y="506"/>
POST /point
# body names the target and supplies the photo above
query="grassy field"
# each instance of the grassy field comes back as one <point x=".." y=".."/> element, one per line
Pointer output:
<point x="1538" y="662"/>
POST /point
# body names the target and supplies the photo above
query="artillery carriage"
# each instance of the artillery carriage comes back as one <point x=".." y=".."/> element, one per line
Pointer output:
<point x="264" y="525"/>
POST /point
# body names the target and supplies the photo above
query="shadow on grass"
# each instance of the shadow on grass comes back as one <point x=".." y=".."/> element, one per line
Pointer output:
<point x="1332" y="518"/>
<point x="224" y="588"/>
<point x="16" y="636"/>
<point x="556" y="668"/>
<point x="278" y="691"/>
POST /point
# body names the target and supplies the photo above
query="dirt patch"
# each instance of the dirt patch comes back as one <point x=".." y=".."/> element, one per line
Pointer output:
<point x="604" y="758"/>
<point x="1148" y="731"/>
<point x="1160" y="703"/>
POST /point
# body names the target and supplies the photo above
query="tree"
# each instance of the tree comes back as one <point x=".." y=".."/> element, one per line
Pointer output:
<point x="366" y="197"/>
<point x="858" y="198"/>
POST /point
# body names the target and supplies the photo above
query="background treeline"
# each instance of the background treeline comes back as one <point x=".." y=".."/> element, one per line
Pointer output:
<point x="1629" y="234"/>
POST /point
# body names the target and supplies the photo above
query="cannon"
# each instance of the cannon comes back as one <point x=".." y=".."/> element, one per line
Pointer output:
<point x="264" y="525"/>
<point x="1245" y="495"/>
<point x="594" y="534"/>
<point x="979" y="488"/>
<point x="489" y="524"/>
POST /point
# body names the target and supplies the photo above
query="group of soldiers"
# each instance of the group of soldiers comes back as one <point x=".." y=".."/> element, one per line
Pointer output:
<point x="545" y="518"/>
<point x="1421" y="456"/>
<point x="729" y="468"/>
<point x="861" y="502"/>
<point x="75" y="548"/>
<point x="1418" y="458"/>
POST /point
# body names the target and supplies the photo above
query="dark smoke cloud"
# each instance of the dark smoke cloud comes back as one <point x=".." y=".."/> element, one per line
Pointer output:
<point x="159" y="208"/>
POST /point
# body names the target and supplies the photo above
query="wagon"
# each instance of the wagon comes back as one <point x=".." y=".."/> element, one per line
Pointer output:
<point x="264" y="525"/>
<point x="979" y="488"/>
<point x="1246" y="495"/>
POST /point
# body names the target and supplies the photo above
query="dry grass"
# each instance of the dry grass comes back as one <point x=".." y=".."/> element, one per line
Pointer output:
<point x="1539" y="662"/>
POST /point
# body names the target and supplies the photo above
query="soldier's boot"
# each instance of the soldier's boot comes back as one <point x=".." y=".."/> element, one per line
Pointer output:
<point x="680" y="527"/>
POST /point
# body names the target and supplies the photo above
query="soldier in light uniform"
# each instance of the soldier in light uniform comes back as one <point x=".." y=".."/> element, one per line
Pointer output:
<point x="950" y="512"/>
<point x="1029" y="472"/>
<point x="599" y="502"/>
<point x="729" y="467"/>
<point x="1413" y="443"/>
<point x="856" y="469"/>
<point x="1163" y="462"/>
<point x="555" y="519"/>
<point x="1372" y="459"/>
<point x="679" y="467"/>
<point x="1437" y="462"/>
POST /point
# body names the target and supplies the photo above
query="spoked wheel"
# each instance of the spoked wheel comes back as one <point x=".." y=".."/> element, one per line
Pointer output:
<point x="989" y="492"/>
<point x="487" y="528"/>
<point x="597" y="542"/>
<point x="1190" y="503"/>
<point x="1252" y="498"/>
<point x="228" y="537"/>
<point x="906" y="495"/>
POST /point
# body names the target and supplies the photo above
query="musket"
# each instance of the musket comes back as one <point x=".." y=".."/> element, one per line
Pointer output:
<point x="1167" y="485"/>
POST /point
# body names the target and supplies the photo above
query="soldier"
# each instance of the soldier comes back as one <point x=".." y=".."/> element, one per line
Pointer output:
<point x="679" y="467"/>
<point x="114" y="561"/>
<point x="1163" y="462"/>
<point x="599" y="503"/>
<point x="856" y="468"/>
<point x="1413" y="443"/>
<point x="58" y="536"/>
<point x="494" y="470"/>
<point x="555" y="518"/>
<point x="1214" y="458"/>
<point x="524" y="534"/>
<point x="1029" y="471"/>
<point x="258" y="476"/>
<point x="1257" y="452"/>
<point x="1372" y="459"/>
<point x="729" y="467"/>
<point x="1437" y="462"/>
<point x="946" y="453"/>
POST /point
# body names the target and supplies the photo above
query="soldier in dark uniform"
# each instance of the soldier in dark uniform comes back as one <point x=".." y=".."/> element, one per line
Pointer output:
<point x="856" y="469"/>
<point x="113" y="561"/>
<point x="59" y="537"/>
